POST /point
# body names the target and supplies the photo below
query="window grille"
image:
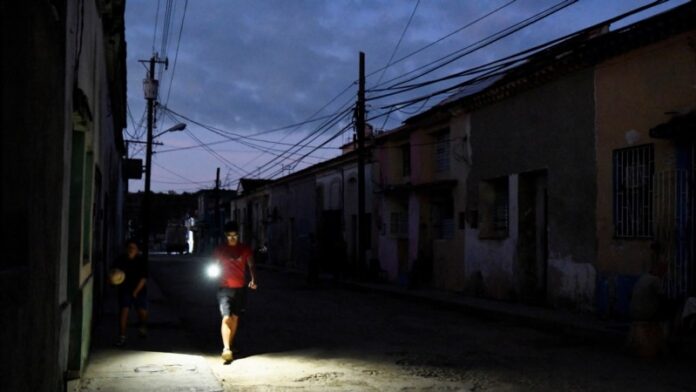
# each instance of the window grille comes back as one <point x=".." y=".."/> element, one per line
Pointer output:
<point x="442" y="152"/>
<point x="633" y="191"/>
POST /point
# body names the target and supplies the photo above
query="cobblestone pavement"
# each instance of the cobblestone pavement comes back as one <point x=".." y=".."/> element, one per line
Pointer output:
<point x="330" y="339"/>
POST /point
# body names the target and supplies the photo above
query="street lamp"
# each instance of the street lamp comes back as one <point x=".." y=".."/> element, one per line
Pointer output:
<point x="148" y="169"/>
<point x="177" y="127"/>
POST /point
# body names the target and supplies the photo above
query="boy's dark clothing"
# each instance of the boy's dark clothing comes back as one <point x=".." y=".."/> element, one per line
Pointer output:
<point x="135" y="269"/>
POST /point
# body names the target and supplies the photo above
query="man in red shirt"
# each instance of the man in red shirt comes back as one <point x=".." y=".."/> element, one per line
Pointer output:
<point x="234" y="258"/>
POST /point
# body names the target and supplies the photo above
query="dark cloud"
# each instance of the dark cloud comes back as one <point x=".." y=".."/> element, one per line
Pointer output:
<point x="248" y="66"/>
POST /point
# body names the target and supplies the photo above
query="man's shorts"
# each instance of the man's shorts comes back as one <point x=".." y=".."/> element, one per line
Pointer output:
<point x="231" y="301"/>
<point x="126" y="300"/>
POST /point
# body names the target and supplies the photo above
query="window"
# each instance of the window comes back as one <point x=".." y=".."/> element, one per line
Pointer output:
<point x="442" y="152"/>
<point x="494" y="202"/>
<point x="406" y="159"/>
<point x="443" y="218"/>
<point x="633" y="191"/>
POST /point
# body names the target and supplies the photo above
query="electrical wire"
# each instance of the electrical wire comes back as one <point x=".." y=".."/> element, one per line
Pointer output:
<point x="537" y="48"/>
<point x="297" y="161"/>
<point x="398" y="43"/>
<point x="154" y="35"/>
<point x="176" y="54"/>
<point x="229" y="164"/>
<point x="332" y="100"/>
<point x="232" y="136"/>
<point x="314" y="135"/>
<point x="237" y="136"/>
<point x="174" y="173"/>
<point x="396" y="47"/>
<point x="443" y="38"/>
<point x="480" y="44"/>
<point x="227" y="140"/>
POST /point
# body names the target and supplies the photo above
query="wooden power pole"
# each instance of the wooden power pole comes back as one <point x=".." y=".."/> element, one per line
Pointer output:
<point x="150" y="87"/>
<point x="360" y="124"/>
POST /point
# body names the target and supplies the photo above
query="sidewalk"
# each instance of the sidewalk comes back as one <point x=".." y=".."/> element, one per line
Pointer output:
<point x="160" y="362"/>
<point x="582" y="325"/>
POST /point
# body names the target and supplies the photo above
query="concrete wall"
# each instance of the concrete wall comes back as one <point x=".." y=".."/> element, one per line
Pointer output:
<point x="491" y="262"/>
<point x="547" y="128"/>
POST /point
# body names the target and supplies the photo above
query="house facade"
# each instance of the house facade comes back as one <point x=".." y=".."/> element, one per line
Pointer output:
<point x="308" y="219"/>
<point x="580" y="168"/>
<point x="556" y="180"/>
<point x="63" y="112"/>
<point x="645" y="180"/>
<point x="422" y="172"/>
<point x="531" y="192"/>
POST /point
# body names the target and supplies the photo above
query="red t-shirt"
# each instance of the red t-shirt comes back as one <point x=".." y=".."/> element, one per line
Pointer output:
<point x="233" y="263"/>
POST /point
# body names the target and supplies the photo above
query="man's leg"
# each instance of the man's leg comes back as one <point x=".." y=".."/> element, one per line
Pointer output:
<point x="228" y="330"/>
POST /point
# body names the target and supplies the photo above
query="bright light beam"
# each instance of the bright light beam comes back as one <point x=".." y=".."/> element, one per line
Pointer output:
<point x="213" y="270"/>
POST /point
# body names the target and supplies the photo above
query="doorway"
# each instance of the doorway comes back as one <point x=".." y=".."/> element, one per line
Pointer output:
<point x="532" y="244"/>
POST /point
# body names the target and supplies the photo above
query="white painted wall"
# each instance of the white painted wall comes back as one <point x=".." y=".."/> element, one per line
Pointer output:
<point x="495" y="258"/>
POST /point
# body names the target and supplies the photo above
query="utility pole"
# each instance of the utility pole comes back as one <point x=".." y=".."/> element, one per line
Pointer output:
<point x="360" y="124"/>
<point x="150" y="86"/>
<point x="218" y="228"/>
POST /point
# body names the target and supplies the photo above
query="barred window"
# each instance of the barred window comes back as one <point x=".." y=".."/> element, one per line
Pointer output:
<point x="494" y="200"/>
<point x="442" y="152"/>
<point x="633" y="191"/>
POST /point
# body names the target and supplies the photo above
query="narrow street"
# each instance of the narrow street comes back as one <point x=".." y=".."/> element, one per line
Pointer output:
<point x="295" y="338"/>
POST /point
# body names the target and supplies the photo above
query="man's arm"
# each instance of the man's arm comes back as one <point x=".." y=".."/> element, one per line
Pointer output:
<point x="142" y="273"/>
<point x="252" y="272"/>
<point x="141" y="284"/>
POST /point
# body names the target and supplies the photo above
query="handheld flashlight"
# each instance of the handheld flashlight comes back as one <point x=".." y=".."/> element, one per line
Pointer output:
<point x="213" y="270"/>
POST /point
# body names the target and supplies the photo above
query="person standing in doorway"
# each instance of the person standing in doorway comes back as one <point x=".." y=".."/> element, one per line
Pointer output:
<point x="133" y="291"/>
<point x="235" y="259"/>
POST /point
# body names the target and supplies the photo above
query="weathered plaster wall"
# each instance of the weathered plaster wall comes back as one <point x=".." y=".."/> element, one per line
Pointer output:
<point x="547" y="128"/>
<point x="449" y="254"/>
<point x="493" y="261"/>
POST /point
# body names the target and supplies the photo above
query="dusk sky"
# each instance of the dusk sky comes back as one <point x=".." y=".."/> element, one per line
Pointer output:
<point x="252" y="67"/>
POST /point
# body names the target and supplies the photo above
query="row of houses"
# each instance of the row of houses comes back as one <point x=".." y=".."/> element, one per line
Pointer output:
<point x="557" y="179"/>
<point x="63" y="112"/>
